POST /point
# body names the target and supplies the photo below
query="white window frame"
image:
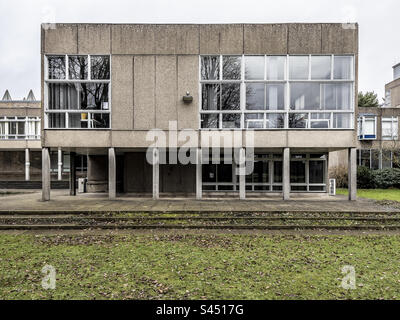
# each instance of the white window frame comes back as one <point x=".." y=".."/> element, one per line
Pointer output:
<point x="394" y="125"/>
<point x="67" y="80"/>
<point x="286" y="81"/>
<point x="362" y="135"/>
<point x="27" y="122"/>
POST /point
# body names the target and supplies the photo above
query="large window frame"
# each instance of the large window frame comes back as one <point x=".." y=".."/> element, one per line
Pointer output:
<point x="86" y="115"/>
<point x="262" y="116"/>
<point x="273" y="186"/>
<point x="394" y="125"/>
<point x="31" y="125"/>
<point x="362" y="132"/>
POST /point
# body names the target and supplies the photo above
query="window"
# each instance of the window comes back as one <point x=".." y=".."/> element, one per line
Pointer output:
<point x="85" y="87"/>
<point x="276" y="67"/>
<point x="343" y="68"/>
<point x="299" y="67"/>
<point x="254" y="67"/>
<point x="27" y="128"/>
<point x="277" y="92"/>
<point x="320" y="67"/>
<point x="367" y="127"/>
<point x="390" y="128"/>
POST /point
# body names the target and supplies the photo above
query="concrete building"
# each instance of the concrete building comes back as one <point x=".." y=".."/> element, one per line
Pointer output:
<point x="285" y="92"/>
<point x="20" y="146"/>
<point x="378" y="144"/>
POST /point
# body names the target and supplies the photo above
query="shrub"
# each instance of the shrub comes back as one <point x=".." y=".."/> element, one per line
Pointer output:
<point x="365" y="178"/>
<point x="386" y="178"/>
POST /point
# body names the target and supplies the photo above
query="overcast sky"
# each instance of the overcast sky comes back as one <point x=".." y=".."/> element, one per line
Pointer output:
<point x="20" y="28"/>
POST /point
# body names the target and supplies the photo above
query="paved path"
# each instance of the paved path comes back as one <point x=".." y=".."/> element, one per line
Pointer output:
<point x="61" y="201"/>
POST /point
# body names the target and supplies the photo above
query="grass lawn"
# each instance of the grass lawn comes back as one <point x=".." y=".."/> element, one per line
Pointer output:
<point x="376" y="194"/>
<point x="199" y="266"/>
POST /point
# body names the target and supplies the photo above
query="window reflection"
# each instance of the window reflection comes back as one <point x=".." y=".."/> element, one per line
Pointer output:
<point x="231" y="68"/>
<point x="254" y="67"/>
<point x="100" y="67"/>
<point x="56" y="67"/>
<point x="210" y="68"/>
<point x="78" y="67"/>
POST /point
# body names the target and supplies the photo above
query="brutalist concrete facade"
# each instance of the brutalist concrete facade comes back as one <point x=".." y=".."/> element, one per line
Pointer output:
<point x="152" y="68"/>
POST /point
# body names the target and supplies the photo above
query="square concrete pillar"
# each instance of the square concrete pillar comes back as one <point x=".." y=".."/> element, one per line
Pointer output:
<point x="45" y="174"/>
<point x="242" y="174"/>
<point x="112" y="174"/>
<point x="59" y="164"/>
<point x="286" y="174"/>
<point x="352" y="174"/>
<point x="72" y="174"/>
<point x="199" y="174"/>
<point x="156" y="174"/>
<point x="27" y="166"/>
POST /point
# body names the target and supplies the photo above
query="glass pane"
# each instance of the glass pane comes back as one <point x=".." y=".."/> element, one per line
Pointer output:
<point x="320" y="67"/>
<point x="210" y="68"/>
<point x="320" y="120"/>
<point x="317" y="188"/>
<point x="298" y="67"/>
<point x="277" y="172"/>
<point x="100" y="67"/>
<point x="77" y="120"/>
<point x="94" y="96"/>
<point x="343" y="66"/>
<point x="210" y="121"/>
<point x="100" y="121"/>
<point x="209" y="173"/>
<point x="230" y="96"/>
<point x="386" y="159"/>
<point x="304" y="96"/>
<point x="298" y="120"/>
<point x="297" y="172"/>
<point x="255" y="96"/>
<point x="210" y="96"/>
<point x="231" y="68"/>
<point x="276" y="96"/>
<point x="231" y="121"/>
<point x="336" y="96"/>
<point x="260" y="173"/>
<point x="63" y="96"/>
<point x="56" y="120"/>
<point x="342" y="121"/>
<point x="224" y="173"/>
<point x="276" y="68"/>
<point x="78" y="67"/>
<point x="254" y="121"/>
<point x="374" y="159"/>
<point x="275" y="121"/>
<point x="56" y="67"/>
<point x="316" y="172"/>
<point x="254" y="67"/>
<point x="366" y="158"/>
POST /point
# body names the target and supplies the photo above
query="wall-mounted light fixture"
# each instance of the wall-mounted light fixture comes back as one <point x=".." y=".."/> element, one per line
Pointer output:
<point x="188" y="98"/>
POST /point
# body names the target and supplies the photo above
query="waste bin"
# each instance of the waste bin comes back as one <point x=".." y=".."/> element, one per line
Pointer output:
<point x="81" y="185"/>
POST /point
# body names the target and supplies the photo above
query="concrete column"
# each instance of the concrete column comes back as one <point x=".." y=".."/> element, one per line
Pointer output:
<point x="46" y="174"/>
<point x="352" y="174"/>
<point x="199" y="174"/>
<point x="27" y="166"/>
<point x="112" y="174"/>
<point x="156" y="174"/>
<point x="59" y="164"/>
<point x="72" y="175"/>
<point x="286" y="174"/>
<point x="242" y="174"/>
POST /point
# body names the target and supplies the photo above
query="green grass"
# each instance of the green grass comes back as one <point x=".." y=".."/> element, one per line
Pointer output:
<point x="375" y="194"/>
<point x="199" y="266"/>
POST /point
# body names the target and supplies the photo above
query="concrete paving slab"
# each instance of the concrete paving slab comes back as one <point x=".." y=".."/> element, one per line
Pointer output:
<point x="62" y="201"/>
